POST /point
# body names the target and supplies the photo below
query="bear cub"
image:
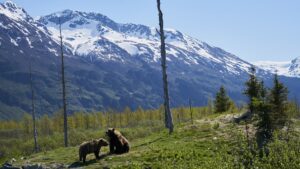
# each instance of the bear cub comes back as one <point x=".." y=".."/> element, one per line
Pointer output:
<point x="89" y="147"/>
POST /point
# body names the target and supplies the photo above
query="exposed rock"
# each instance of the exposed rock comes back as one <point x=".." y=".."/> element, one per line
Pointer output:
<point x="243" y="117"/>
<point x="58" y="166"/>
<point x="33" y="166"/>
<point x="9" y="166"/>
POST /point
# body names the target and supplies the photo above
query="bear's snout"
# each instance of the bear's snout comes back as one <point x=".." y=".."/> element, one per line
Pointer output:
<point x="105" y="143"/>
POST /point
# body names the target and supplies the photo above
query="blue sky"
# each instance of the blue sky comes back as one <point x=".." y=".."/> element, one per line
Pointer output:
<point x="251" y="29"/>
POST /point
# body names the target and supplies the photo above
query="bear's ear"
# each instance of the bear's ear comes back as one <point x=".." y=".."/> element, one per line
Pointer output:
<point x="113" y="129"/>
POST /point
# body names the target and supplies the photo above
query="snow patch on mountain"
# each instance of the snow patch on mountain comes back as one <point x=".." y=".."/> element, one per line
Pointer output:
<point x="29" y="42"/>
<point x="273" y="66"/>
<point x="131" y="49"/>
<point x="3" y="26"/>
<point x="97" y="37"/>
<point x="13" y="42"/>
<point x="91" y="34"/>
<point x="285" y="68"/>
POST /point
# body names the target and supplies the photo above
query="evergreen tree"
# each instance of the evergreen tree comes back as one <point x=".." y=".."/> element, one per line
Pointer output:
<point x="252" y="90"/>
<point x="271" y="111"/>
<point x="222" y="101"/>
<point x="256" y="93"/>
<point x="278" y="102"/>
<point x="263" y="112"/>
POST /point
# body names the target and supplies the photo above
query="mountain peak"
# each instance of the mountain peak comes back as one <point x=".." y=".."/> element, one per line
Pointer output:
<point x="13" y="11"/>
<point x="10" y="4"/>
<point x="73" y="15"/>
<point x="295" y="67"/>
<point x="296" y="60"/>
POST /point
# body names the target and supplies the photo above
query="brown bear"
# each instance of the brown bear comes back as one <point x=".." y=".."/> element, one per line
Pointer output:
<point x="117" y="143"/>
<point x="89" y="147"/>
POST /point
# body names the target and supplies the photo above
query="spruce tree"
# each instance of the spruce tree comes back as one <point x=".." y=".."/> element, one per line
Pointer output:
<point x="222" y="101"/>
<point x="278" y="102"/>
<point x="271" y="111"/>
<point x="252" y="90"/>
<point x="263" y="112"/>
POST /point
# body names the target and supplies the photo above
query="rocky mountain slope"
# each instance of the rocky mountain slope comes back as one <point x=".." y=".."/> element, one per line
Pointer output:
<point x="99" y="38"/>
<point x="109" y="65"/>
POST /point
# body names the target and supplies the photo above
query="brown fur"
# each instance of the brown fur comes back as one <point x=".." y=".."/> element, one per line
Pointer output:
<point x="117" y="142"/>
<point x="89" y="147"/>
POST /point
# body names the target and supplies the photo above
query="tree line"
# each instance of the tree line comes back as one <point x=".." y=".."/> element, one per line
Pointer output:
<point x="49" y="124"/>
<point x="16" y="135"/>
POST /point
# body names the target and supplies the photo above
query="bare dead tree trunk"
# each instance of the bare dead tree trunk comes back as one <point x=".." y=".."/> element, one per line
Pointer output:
<point x="191" y="111"/>
<point x="33" y="110"/>
<point x="63" y="89"/>
<point x="168" y="114"/>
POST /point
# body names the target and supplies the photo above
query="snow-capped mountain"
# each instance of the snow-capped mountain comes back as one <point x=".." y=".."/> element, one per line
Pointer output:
<point x="31" y="33"/>
<point x="96" y="36"/>
<point x="288" y="68"/>
<point x="108" y="64"/>
<point x="10" y="9"/>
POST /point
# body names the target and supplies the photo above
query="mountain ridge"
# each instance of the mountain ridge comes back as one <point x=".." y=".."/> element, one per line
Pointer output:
<point x="137" y="39"/>
<point x="110" y="68"/>
<point x="284" y="68"/>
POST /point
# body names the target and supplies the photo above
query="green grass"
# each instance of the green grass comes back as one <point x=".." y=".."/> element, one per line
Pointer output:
<point x="208" y="143"/>
<point x="190" y="146"/>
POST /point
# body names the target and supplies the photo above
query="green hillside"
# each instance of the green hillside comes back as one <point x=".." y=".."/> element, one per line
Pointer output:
<point x="210" y="142"/>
